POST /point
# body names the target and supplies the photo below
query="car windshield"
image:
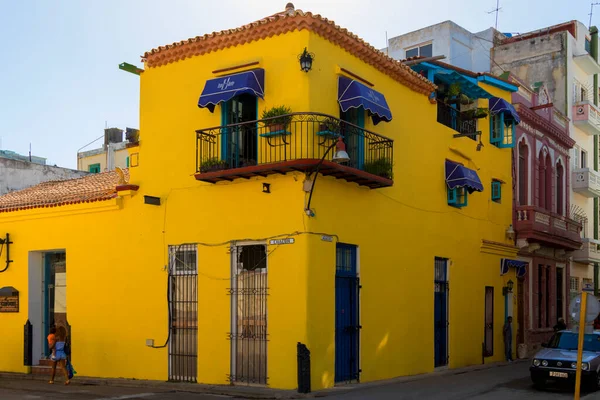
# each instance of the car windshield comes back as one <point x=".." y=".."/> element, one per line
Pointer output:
<point x="568" y="341"/>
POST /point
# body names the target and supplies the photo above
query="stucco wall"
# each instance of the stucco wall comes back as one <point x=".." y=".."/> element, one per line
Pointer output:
<point x="462" y="48"/>
<point x="17" y="175"/>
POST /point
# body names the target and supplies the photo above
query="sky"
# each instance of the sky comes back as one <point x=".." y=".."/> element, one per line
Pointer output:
<point x="60" y="84"/>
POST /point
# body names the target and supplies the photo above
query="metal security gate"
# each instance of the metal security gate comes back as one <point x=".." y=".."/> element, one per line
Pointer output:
<point x="183" y="310"/>
<point x="488" y="344"/>
<point x="441" y="311"/>
<point x="248" y="335"/>
<point x="347" y="325"/>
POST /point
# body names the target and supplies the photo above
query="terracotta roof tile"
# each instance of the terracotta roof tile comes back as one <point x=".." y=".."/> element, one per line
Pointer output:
<point x="95" y="187"/>
<point x="281" y="23"/>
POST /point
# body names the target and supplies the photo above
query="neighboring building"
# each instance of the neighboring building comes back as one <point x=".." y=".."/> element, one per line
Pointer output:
<point x="19" y="157"/>
<point x="17" y="173"/>
<point x="113" y="154"/>
<point x="461" y="48"/>
<point x="220" y="239"/>
<point x="546" y="232"/>
<point x="560" y="62"/>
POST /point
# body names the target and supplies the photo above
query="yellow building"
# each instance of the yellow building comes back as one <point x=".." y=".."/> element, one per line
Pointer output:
<point x="113" y="153"/>
<point x="233" y="241"/>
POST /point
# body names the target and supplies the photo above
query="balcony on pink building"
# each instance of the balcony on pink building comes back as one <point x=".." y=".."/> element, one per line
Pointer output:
<point x="586" y="116"/>
<point x="536" y="223"/>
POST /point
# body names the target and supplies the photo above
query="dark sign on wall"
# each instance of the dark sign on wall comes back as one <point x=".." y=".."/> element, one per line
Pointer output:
<point x="9" y="299"/>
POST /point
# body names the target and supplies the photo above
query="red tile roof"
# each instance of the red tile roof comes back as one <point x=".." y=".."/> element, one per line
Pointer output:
<point x="289" y="21"/>
<point x="95" y="187"/>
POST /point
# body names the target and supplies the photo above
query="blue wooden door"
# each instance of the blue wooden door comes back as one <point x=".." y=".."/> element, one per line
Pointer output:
<point x="441" y="312"/>
<point x="347" y="326"/>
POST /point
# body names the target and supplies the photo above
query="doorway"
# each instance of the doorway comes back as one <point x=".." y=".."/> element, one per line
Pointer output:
<point x="183" y="306"/>
<point x="55" y="296"/>
<point x="239" y="144"/>
<point x="249" y="293"/>
<point x="489" y="322"/>
<point x="354" y="136"/>
<point x="347" y="323"/>
<point x="441" y="322"/>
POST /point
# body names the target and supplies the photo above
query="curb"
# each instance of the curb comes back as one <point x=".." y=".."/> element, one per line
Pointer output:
<point x="250" y="392"/>
<point x="247" y="392"/>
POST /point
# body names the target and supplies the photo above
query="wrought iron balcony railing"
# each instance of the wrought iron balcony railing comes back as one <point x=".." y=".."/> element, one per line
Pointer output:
<point x="295" y="141"/>
<point x="454" y="119"/>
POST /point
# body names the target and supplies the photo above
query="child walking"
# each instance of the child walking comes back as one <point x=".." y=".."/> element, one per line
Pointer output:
<point x="59" y="357"/>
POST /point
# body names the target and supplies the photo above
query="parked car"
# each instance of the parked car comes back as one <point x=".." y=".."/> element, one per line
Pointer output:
<point x="557" y="361"/>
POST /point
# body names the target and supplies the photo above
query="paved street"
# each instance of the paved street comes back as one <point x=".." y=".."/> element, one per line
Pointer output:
<point x="500" y="383"/>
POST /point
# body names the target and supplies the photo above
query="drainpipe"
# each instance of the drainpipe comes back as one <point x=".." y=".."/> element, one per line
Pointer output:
<point x="594" y="49"/>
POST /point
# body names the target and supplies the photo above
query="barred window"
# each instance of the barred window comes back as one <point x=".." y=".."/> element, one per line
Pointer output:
<point x="182" y="259"/>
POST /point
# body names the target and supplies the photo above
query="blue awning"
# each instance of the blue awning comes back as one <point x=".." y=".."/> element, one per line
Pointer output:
<point x="498" y="105"/>
<point x="468" y="85"/>
<point x="460" y="176"/>
<point x="227" y="87"/>
<point x="353" y="94"/>
<point x="520" y="266"/>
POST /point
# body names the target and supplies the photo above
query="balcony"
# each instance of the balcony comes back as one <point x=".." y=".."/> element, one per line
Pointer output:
<point x="537" y="224"/>
<point x="462" y="122"/>
<point x="589" y="253"/>
<point x="265" y="147"/>
<point x="587" y="117"/>
<point x="586" y="182"/>
<point x="587" y="64"/>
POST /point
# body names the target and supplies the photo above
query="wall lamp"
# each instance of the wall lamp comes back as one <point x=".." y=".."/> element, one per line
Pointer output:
<point x="306" y="60"/>
<point x="6" y="242"/>
<point x="508" y="288"/>
<point x="340" y="156"/>
<point x="510" y="233"/>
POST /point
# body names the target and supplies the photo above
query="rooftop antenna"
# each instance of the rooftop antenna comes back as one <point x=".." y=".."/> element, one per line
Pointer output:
<point x="29" y="151"/>
<point x="498" y="8"/>
<point x="591" y="12"/>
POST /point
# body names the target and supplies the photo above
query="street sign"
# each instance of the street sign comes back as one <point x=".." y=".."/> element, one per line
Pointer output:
<point x="592" y="309"/>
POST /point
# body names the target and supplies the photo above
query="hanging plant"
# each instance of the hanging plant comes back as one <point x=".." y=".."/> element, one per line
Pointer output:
<point x="454" y="89"/>
<point x="465" y="100"/>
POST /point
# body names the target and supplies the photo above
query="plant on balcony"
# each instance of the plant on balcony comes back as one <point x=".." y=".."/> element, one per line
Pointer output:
<point x="380" y="167"/>
<point x="213" y="164"/>
<point x="476" y="113"/>
<point x="277" y="124"/>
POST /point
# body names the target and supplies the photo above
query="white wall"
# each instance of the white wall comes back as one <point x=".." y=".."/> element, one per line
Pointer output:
<point x="17" y="175"/>
<point x="461" y="48"/>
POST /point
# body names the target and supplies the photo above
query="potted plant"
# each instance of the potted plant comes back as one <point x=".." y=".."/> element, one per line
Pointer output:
<point x="380" y="167"/>
<point x="481" y="112"/>
<point x="277" y="124"/>
<point x="213" y="164"/>
<point x="464" y="99"/>
<point x="329" y="125"/>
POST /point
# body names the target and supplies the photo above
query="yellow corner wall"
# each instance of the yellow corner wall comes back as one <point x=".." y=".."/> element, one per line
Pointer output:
<point x="117" y="250"/>
<point x="83" y="163"/>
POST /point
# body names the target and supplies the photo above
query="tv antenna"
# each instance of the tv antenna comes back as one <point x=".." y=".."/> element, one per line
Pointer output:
<point x="591" y="12"/>
<point x="496" y="10"/>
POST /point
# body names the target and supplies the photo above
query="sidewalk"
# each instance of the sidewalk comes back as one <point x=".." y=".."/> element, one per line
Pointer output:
<point x="249" y="392"/>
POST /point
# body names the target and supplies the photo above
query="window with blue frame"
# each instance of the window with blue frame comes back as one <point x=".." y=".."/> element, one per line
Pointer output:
<point x="457" y="197"/>
<point x="496" y="191"/>
<point x="501" y="131"/>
